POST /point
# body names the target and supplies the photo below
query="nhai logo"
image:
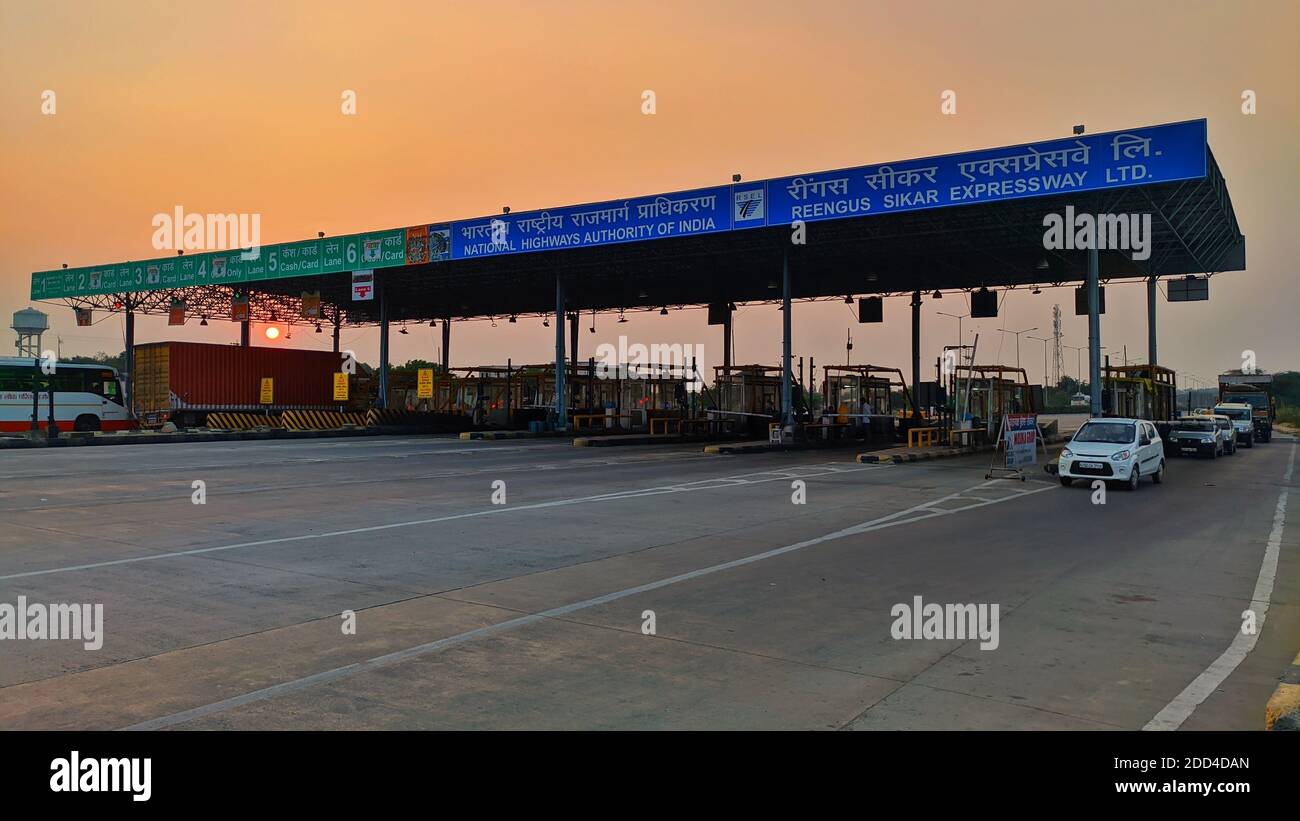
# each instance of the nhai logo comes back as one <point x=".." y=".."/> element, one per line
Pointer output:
<point x="749" y="205"/>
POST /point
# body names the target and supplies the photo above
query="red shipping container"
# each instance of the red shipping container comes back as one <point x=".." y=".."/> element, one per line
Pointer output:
<point x="197" y="375"/>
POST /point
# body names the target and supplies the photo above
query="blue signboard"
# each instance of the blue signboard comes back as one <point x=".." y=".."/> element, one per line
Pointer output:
<point x="1141" y="156"/>
<point x="1117" y="159"/>
<point x="702" y="211"/>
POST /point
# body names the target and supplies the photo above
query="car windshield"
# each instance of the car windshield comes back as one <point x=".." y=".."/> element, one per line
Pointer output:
<point x="1193" y="425"/>
<point x="1113" y="433"/>
<point x="1234" y="413"/>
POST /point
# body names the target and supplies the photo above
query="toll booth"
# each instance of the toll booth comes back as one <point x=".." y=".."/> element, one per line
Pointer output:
<point x="1139" y="392"/>
<point x="623" y="398"/>
<point x="749" y="396"/>
<point x="980" y="395"/>
<point x="858" y="402"/>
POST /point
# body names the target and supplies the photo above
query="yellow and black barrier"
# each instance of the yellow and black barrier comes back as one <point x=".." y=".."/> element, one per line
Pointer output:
<point x="242" y="421"/>
<point x="321" y="420"/>
<point x="398" y="416"/>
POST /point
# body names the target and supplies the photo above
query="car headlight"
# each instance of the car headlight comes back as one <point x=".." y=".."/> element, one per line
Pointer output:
<point x="1121" y="456"/>
<point x="1065" y="454"/>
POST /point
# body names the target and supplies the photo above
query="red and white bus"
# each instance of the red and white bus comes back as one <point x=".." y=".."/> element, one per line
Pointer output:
<point x="86" y="397"/>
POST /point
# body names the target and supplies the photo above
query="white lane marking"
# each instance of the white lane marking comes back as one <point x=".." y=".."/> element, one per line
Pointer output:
<point x="116" y="471"/>
<point x="390" y="659"/>
<point x="1181" y="708"/>
<point x="712" y="484"/>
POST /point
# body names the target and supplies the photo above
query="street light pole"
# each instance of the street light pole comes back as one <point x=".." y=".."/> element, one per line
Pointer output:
<point x="1043" y="340"/>
<point x="1018" y="333"/>
<point x="959" y="319"/>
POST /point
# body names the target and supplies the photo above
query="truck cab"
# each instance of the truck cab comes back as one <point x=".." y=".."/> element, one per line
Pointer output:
<point x="1255" y="389"/>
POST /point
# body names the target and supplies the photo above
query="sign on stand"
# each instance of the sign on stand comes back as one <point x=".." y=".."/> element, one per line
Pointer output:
<point x="1018" y="441"/>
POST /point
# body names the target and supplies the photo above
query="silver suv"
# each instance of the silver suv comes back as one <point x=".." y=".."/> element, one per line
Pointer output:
<point x="1240" y="415"/>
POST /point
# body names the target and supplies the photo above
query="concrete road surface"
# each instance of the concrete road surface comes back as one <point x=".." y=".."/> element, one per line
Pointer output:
<point x="529" y="584"/>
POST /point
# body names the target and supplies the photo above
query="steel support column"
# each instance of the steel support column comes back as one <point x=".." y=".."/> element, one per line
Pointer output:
<point x="726" y="343"/>
<point x="1094" y="332"/>
<point x="787" y="420"/>
<point x="561" y="389"/>
<point x="129" y="387"/>
<point x="916" y="353"/>
<point x="1151" y="321"/>
<point x="383" y="348"/>
<point x="446" y="345"/>
<point x="573" y="343"/>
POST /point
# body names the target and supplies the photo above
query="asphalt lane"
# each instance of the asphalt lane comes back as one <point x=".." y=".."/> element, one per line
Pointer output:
<point x="533" y="613"/>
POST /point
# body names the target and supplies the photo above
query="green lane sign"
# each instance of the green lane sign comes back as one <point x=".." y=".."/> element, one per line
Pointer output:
<point x="313" y="257"/>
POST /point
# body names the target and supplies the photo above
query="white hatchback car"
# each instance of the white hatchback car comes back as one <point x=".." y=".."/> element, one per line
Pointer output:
<point x="1121" y="450"/>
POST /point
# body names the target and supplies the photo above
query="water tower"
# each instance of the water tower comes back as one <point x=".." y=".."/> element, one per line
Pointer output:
<point x="29" y="324"/>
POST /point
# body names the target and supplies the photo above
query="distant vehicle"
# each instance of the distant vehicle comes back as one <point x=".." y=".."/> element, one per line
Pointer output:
<point x="1122" y="450"/>
<point x="1243" y="422"/>
<point x="1079" y="400"/>
<point x="1196" y="436"/>
<point x="86" y="397"/>
<point x="1254" y="389"/>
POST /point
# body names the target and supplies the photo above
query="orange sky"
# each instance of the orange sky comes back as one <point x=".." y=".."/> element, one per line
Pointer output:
<point x="463" y="108"/>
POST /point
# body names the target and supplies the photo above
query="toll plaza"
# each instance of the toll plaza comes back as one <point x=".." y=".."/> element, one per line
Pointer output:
<point x="1051" y="213"/>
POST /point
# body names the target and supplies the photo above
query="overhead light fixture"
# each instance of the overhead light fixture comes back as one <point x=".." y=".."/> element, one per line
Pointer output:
<point x="512" y="319"/>
<point x="546" y="322"/>
<point x="871" y="277"/>
<point x="735" y="178"/>
<point x="203" y="321"/>
<point x="402" y="330"/>
<point x="937" y="294"/>
<point x="621" y="318"/>
<point x="505" y="209"/>
<point x="641" y="295"/>
<point x="731" y="306"/>
<point x="1042" y="265"/>
<point x="663" y="311"/>
<point x="848" y="300"/>
<point x="433" y="323"/>
<point x="320" y="235"/>
<point x="771" y="285"/>
<point x="1037" y="290"/>
<point x="318" y="327"/>
<point x="1078" y="129"/>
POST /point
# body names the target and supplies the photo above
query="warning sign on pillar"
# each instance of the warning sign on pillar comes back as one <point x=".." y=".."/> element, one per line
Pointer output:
<point x="340" y="387"/>
<point x="268" y="391"/>
<point x="424" y="384"/>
